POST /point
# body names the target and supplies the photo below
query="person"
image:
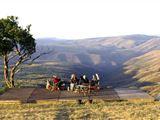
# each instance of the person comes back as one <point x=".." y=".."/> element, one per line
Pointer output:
<point x="57" y="82"/>
<point x="48" y="85"/>
<point x="81" y="81"/>
<point x="97" y="83"/>
<point x="85" y="79"/>
<point x="73" y="81"/>
<point x="93" y="81"/>
<point x="55" y="79"/>
<point x="97" y="79"/>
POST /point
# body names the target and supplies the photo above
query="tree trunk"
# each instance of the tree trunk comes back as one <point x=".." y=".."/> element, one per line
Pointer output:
<point x="12" y="72"/>
<point x="6" y="77"/>
<point x="9" y="76"/>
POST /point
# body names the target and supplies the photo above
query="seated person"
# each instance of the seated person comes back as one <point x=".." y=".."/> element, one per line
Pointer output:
<point x="97" y="78"/>
<point x="93" y="81"/>
<point x="57" y="81"/>
<point x="73" y="81"/>
<point x="84" y="80"/>
<point x="49" y="85"/>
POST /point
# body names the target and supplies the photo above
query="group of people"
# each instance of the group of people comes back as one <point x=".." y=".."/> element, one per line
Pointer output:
<point x="83" y="81"/>
<point x="57" y="84"/>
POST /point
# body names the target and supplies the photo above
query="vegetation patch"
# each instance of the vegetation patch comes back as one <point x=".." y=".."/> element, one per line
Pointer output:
<point x="2" y="90"/>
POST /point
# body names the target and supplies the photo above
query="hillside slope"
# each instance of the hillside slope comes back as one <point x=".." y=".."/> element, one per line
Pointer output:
<point x="152" y="44"/>
<point x="146" y="70"/>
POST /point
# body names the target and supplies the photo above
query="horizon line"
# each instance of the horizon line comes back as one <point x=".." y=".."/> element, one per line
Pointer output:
<point x="61" y="38"/>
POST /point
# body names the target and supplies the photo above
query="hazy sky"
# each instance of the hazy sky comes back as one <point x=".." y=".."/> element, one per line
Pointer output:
<point x="85" y="18"/>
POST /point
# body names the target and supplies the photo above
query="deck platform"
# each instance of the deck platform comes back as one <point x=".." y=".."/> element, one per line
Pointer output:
<point x="32" y="95"/>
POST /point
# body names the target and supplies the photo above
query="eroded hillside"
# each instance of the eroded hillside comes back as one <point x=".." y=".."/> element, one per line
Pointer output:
<point x="146" y="70"/>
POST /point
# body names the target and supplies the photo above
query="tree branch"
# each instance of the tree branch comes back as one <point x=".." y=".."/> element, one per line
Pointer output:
<point x="12" y="57"/>
<point x="41" y="54"/>
<point x="26" y="57"/>
<point x="20" y="60"/>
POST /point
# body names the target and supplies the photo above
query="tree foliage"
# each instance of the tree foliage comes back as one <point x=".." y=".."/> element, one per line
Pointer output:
<point x="16" y="45"/>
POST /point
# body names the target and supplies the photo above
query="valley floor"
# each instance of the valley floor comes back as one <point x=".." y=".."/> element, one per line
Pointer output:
<point x="99" y="110"/>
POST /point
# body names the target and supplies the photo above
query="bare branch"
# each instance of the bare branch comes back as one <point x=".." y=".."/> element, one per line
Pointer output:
<point x="41" y="54"/>
<point x="18" y="70"/>
<point x="12" y="57"/>
<point x="25" y="58"/>
<point x="20" y="60"/>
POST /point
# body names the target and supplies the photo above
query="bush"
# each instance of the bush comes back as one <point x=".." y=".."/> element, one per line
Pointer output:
<point x="2" y="90"/>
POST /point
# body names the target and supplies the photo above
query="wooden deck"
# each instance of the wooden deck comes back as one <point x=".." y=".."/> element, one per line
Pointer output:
<point x="32" y="95"/>
<point x="130" y="94"/>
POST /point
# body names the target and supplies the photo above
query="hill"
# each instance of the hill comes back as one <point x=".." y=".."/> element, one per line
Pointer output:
<point x="97" y="51"/>
<point x="146" y="70"/>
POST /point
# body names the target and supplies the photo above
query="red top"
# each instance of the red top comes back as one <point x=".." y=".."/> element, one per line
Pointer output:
<point x="56" y="80"/>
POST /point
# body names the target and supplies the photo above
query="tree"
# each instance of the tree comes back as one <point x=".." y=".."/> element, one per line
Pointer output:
<point x="16" y="47"/>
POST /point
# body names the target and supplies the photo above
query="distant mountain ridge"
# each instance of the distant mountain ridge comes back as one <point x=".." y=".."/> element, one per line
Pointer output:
<point x="91" y="50"/>
<point x="128" y="41"/>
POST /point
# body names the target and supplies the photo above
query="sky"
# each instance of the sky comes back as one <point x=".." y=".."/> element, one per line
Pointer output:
<point x="75" y="19"/>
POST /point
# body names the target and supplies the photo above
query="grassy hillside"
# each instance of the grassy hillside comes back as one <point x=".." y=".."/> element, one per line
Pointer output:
<point x="146" y="70"/>
<point x="99" y="110"/>
<point x="152" y="44"/>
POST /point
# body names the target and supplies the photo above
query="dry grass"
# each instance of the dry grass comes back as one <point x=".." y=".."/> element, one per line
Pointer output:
<point x="99" y="110"/>
<point x="146" y="70"/>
